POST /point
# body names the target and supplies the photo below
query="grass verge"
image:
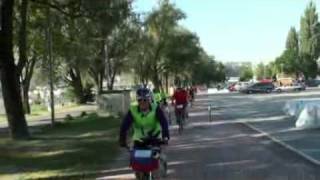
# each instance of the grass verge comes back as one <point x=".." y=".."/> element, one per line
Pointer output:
<point x="41" y="110"/>
<point x="85" y="144"/>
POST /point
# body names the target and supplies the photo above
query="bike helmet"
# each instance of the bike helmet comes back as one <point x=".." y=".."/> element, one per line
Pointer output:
<point x="143" y="93"/>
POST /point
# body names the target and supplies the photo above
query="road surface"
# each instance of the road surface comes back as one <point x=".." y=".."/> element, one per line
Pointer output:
<point x="226" y="149"/>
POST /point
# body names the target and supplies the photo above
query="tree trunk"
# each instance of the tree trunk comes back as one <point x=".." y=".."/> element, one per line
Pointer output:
<point x="167" y="82"/>
<point x="155" y="79"/>
<point x="97" y="70"/>
<point x="26" y="105"/>
<point x="110" y="87"/>
<point x="76" y="83"/>
<point x="100" y="83"/>
<point x="110" y="68"/>
<point x="23" y="60"/>
<point x="26" y="84"/>
<point x="97" y="77"/>
<point x="23" y="37"/>
<point x="9" y="76"/>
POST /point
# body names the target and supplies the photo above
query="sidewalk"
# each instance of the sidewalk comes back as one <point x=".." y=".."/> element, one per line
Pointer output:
<point x="305" y="143"/>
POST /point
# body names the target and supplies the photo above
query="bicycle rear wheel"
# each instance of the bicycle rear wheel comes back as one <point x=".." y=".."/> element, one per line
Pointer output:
<point x="144" y="176"/>
<point x="180" y="123"/>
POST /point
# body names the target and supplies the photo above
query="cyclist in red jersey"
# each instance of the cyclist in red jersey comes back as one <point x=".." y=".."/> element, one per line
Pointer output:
<point x="180" y="97"/>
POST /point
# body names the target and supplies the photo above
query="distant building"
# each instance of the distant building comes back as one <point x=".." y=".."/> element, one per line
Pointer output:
<point x="233" y="69"/>
<point x="124" y="81"/>
<point x="233" y="79"/>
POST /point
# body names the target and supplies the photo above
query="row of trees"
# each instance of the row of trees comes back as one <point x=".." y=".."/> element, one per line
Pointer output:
<point x="91" y="42"/>
<point x="301" y="54"/>
<point x="302" y="49"/>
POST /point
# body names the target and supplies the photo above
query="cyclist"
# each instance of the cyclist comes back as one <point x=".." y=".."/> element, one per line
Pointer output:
<point x="157" y="96"/>
<point x="145" y="118"/>
<point x="191" y="95"/>
<point x="180" y="97"/>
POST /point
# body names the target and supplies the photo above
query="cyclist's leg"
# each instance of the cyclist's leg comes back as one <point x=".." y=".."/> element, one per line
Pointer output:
<point x="167" y="112"/>
<point x="185" y="112"/>
<point x="176" y="114"/>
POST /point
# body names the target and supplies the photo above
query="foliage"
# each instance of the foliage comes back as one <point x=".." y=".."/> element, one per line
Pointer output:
<point x="260" y="71"/>
<point x="288" y="62"/>
<point x="309" y="41"/>
<point x="246" y="72"/>
<point x="293" y="40"/>
<point x="208" y="71"/>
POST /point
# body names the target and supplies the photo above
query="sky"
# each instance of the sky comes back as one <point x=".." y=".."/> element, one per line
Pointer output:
<point x="239" y="30"/>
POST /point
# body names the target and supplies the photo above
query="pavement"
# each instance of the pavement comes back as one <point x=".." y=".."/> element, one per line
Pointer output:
<point x="305" y="143"/>
<point x="271" y="121"/>
<point x="249" y="138"/>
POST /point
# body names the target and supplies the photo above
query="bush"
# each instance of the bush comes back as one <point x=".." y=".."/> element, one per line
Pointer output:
<point x="83" y="114"/>
<point x="68" y="118"/>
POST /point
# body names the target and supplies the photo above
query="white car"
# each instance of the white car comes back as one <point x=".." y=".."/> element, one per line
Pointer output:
<point x="241" y="85"/>
<point x="294" y="87"/>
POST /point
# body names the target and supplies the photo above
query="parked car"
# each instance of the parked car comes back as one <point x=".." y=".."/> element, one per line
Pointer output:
<point x="242" y="85"/>
<point x="294" y="87"/>
<point x="266" y="87"/>
<point x="232" y="87"/>
<point x="313" y="83"/>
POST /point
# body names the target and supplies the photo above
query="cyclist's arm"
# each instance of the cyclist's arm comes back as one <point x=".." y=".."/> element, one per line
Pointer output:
<point x="125" y="126"/>
<point x="163" y="122"/>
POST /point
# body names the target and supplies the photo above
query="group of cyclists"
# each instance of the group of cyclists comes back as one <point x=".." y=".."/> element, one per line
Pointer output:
<point x="150" y="110"/>
<point x="148" y="118"/>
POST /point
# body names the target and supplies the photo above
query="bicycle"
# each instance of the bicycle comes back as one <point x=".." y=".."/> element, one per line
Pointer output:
<point x="180" y="116"/>
<point x="146" y="159"/>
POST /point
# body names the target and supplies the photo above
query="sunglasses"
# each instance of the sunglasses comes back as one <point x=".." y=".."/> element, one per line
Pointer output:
<point x="143" y="100"/>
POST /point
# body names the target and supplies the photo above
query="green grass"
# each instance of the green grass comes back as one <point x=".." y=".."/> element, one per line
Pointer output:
<point x="38" y="110"/>
<point x="41" y="110"/>
<point x="68" y="150"/>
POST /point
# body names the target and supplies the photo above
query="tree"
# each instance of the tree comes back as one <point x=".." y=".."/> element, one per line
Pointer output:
<point x="120" y="43"/>
<point x="140" y="57"/>
<point x="269" y="71"/>
<point x="220" y="72"/>
<point x="309" y="41"/>
<point x="206" y="70"/>
<point x="291" y="54"/>
<point x="159" y="25"/>
<point x="246" y="72"/>
<point x="292" y="40"/>
<point x="179" y="62"/>
<point x="30" y="44"/>
<point x="260" y="71"/>
<point x="23" y="57"/>
<point x="288" y="62"/>
<point x="105" y="17"/>
<point x="232" y="69"/>
<point x="9" y="75"/>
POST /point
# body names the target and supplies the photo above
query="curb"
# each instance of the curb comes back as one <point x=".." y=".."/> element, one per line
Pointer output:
<point x="285" y="145"/>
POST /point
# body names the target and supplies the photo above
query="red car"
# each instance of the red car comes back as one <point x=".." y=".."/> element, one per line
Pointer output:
<point x="232" y="88"/>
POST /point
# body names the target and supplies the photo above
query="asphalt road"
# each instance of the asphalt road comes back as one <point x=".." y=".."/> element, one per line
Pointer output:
<point x="226" y="149"/>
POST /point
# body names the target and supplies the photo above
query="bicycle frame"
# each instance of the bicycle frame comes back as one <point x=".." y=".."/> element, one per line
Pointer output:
<point x="180" y="115"/>
<point x="152" y="145"/>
